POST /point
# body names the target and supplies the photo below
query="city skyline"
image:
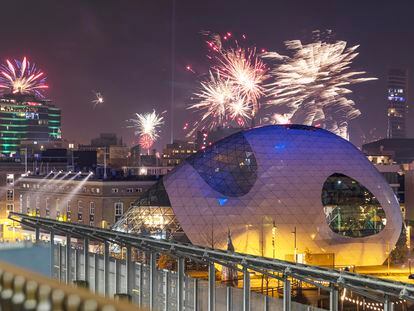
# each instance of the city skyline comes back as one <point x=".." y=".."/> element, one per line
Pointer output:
<point x="82" y="56"/>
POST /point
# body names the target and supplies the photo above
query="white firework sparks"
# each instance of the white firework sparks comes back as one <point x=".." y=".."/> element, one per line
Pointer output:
<point x="313" y="83"/>
<point x="246" y="73"/>
<point x="232" y="91"/>
<point x="220" y="103"/>
<point x="147" y="127"/>
<point x="277" y="118"/>
<point x="214" y="97"/>
<point x="98" y="99"/>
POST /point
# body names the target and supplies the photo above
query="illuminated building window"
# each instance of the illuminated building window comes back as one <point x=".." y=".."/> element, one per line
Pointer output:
<point x="10" y="179"/>
<point x="115" y="190"/>
<point x="10" y="195"/>
<point x="119" y="210"/>
<point x="37" y="206"/>
<point x="350" y="208"/>
<point x="80" y="205"/>
<point x="27" y="201"/>
<point x="92" y="208"/>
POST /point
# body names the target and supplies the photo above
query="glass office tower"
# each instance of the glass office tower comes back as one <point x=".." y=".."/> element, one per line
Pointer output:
<point x="27" y="118"/>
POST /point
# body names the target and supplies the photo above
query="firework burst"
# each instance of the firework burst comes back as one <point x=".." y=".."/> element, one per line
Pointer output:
<point x="22" y="77"/>
<point x="277" y="118"/>
<point x="312" y="84"/>
<point x="98" y="99"/>
<point x="231" y="93"/>
<point x="147" y="127"/>
<point x="220" y="104"/>
<point x="246" y="72"/>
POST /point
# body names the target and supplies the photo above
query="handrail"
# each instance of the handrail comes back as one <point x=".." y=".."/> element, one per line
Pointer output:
<point x="312" y="273"/>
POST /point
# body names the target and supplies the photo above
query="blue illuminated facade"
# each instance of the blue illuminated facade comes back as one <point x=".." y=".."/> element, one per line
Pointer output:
<point x="229" y="166"/>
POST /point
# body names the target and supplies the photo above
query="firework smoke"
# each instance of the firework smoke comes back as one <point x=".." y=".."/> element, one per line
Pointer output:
<point x="22" y="77"/>
<point x="312" y="84"/>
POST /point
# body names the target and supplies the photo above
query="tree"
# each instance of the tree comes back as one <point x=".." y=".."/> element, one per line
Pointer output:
<point x="400" y="251"/>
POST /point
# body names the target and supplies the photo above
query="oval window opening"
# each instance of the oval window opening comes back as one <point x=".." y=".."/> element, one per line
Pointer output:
<point x="350" y="208"/>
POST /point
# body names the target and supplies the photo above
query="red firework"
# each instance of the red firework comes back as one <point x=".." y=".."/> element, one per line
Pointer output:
<point x="145" y="141"/>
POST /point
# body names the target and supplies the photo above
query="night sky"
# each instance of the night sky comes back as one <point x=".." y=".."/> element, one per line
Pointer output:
<point x="123" y="49"/>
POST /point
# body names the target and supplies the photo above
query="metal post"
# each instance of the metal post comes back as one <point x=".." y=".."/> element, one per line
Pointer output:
<point x="106" y="268"/>
<point x="152" y="266"/>
<point x="140" y="285"/>
<point x="117" y="276"/>
<point x="211" y="286"/>
<point x="246" y="289"/>
<point x="180" y="283"/>
<point x="286" y="295"/>
<point x="333" y="298"/>
<point x="68" y="259"/>
<point x="167" y="279"/>
<point x="266" y="303"/>
<point x="37" y="234"/>
<point x="60" y="251"/>
<point x="76" y="264"/>
<point x="52" y="254"/>
<point x="228" y="299"/>
<point x="195" y="295"/>
<point x="128" y="270"/>
<point x="388" y="305"/>
<point x="96" y="272"/>
<point x="86" y="259"/>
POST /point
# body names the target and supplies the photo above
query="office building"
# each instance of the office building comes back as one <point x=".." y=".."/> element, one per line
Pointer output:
<point x="397" y="103"/>
<point x="400" y="150"/>
<point x="80" y="198"/>
<point x="177" y="152"/>
<point x="27" y="118"/>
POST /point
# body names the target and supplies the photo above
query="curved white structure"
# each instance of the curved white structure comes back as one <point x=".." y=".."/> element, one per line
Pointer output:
<point x="262" y="183"/>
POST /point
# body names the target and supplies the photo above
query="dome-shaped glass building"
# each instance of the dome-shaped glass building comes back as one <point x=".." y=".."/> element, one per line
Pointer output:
<point x="277" y="187"/>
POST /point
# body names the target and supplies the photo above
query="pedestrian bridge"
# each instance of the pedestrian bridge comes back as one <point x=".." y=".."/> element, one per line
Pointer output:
<point x="124" y="265"/>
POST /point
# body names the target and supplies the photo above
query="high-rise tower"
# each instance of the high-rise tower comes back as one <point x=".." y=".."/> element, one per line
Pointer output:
<point x="26" y="117"/>
<point x="397" y="103"/>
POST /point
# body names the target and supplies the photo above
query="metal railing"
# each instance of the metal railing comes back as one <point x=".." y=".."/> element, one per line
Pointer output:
<point x="384" y="292"/>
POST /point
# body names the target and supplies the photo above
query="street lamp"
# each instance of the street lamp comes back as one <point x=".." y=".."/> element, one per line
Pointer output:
<point x="274" y="228"/>
<point x="294" y="245"/>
